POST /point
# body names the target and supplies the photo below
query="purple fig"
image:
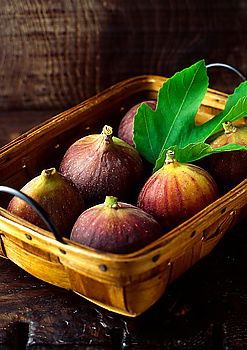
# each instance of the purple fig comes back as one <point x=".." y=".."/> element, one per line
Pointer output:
<point x="125" y="130"/>
<point x="56" y="195"/>
<point x="228" y="168"/>
<point x="101" y="164"/>
<point x="115" y="227"/>
<point x="176" y="192"/>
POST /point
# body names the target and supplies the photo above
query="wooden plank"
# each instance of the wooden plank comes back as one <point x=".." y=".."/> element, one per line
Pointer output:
<point x="68" y="50"/>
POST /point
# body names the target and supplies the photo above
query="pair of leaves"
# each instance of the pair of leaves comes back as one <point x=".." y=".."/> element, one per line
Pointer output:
<point x="172" y="124"/>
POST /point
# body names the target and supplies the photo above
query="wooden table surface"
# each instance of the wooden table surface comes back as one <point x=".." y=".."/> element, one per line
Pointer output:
<point x="55" y="54"/>
<point x="204" y="309"/>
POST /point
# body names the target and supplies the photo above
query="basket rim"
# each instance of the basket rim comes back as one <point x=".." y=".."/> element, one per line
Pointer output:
<point x="141" y="80"/>
<point x="222" y="97"/>
<point x="187" y="226"/>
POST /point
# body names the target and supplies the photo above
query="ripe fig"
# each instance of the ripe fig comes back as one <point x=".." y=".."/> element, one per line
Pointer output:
<point x="115" y="227"/>
<point x="56" y="195"/>
<point x="100" y="164"/>
<point x="228" y="168"/>
<point x="176" y="192"/>
<point x="125" y="130"/>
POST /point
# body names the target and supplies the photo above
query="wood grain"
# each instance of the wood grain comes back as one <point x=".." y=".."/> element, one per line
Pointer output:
<point x="204" y="309"/>
<point x="55" y="54"/>
<point x="15" y="123"/>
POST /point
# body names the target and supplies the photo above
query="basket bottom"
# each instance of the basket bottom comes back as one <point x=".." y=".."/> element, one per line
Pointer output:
<point x="109" y="308"/>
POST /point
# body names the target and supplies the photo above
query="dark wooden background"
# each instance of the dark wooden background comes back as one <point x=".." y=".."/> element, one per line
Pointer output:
<point x="56" y="53"/>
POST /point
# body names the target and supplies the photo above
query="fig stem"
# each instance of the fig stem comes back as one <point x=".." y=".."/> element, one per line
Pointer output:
<point x="229" y="128"/>
<point x="111" y="202"/>
<point x="48" y="172"/>
<point x="170" y="157"/>
<point x="107" y="132"/>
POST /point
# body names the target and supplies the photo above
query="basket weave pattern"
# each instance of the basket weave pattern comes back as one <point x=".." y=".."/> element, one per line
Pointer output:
<point x="127" y="284"/>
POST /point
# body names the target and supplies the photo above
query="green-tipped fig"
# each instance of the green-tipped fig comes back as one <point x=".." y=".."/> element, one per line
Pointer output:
<point x="100" y="164"/>
<point x="176" y="192"/>
<point x="115" y="227"/>
<point x="125" y="130"/>
<point x="228" y="168"/>
<point x="56" y="195"/>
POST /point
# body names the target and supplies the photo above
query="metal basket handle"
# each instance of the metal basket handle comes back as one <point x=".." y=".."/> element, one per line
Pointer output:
<point x="39" y="210"/>
<point x="224" y="65"/>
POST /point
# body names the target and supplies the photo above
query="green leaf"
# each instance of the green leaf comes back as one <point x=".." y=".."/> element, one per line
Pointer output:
<point x="173" y="120"/>
<point x="215" y="124"/>
<point x="239" y="92"/>
<point x="237" y="111"/>
<point x="195" y="151"/>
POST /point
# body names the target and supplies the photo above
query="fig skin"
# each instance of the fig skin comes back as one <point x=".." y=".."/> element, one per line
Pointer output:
<point x="115" y="227"/>
<point x="100" y="164"/>
<point x="56" y="195"/>
<point x="125" y="130"/>
<point x="228" y="168"/>
<point x="176" y="192"/>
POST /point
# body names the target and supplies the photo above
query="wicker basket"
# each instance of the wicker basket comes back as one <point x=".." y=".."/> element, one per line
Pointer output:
<point x="127" y="284"/>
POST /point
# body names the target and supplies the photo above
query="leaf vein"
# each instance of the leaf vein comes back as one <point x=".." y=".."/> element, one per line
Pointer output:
<point x="179" y="110"/>
<point x="148" y="134"/>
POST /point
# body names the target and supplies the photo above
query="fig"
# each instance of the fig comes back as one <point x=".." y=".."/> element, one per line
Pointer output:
<point x="100" y="164"/>
<point x="115" y="227"/>
<point x="125" y="130"/>
<point x="228" y="168"/>
<point x="176" y="192"/>
<point x="56" y="195"/>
